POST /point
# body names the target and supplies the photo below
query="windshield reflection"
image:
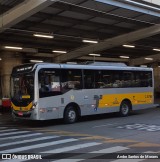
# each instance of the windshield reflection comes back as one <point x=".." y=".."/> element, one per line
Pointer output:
<point x="23" y="87"/>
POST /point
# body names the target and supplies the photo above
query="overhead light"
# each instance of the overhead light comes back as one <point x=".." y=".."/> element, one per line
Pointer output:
<point x="89" y="41"/>
<point x="128" y="46"/>
<point x="71" y="63"/>
<point x="125" y="57"/>
<point x="94" y="54"/>
<point x="156" y="49"/>
<point x="55" y="51"/>
<point x="148" y="58"/>
<point x="36" y="61"/>
<point x="0" y="59"/>
<point x="12" y="47"/>
<point x="143" y="65"/>
<point x="44" y="36"/>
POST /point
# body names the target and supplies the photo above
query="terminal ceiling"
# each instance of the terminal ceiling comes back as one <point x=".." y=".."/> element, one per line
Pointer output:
<point x="112" y="23"/>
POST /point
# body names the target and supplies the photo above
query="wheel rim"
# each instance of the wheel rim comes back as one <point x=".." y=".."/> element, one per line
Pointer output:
<point x="125" y="109"/>
<point x="72" y="115"/>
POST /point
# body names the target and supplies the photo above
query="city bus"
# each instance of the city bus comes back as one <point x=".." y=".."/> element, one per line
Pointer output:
<point x="45" y="91"/>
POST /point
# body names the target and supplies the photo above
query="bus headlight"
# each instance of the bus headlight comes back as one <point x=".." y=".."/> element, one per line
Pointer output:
<point x="34" y="105"/>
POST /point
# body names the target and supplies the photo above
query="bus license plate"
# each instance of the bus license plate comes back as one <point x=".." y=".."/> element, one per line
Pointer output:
<point x="20" y="113"/>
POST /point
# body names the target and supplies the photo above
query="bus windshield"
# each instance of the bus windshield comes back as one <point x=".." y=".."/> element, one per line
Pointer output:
<point x="22" y="87"/>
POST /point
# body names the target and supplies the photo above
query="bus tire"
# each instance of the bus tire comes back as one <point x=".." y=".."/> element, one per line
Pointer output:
<point x="70" y="115"/>
<point x="125" y="108"/>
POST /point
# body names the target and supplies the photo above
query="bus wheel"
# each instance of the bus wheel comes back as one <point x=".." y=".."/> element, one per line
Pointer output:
<point x="125" y="108"/>
<point x="70" y="115"/>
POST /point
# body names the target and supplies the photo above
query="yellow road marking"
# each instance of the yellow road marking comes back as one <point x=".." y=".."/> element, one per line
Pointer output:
<point x="67" y="133"/>
<point x="58" y="132"/>
<point x="91" y="137"/>
<point x="95" y="138"/>
<point x="120" y="141"/>
<point x="145" y="144"/>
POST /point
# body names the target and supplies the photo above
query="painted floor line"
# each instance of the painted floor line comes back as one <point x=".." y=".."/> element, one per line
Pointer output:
<point x="93" y="154"/>
<point x="20" y="149"/>
<point x="2" y="127"/>
<point x="104" y="125"/>
<point x="71" y="148"/>
<point x="60" y="150"/>
<point x="21" y="136"/>
<point x="12" y="133"/>
<point x="7" y="130"/>
<point x="30" y="140"/>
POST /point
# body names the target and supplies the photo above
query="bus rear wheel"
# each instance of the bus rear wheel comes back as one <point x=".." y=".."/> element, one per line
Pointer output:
<point x="125" y="108"/>
<point x="70" y="115"/>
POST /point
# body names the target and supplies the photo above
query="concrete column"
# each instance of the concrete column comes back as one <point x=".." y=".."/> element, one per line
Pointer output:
<point x="131" y="62"/>
<point x="7" y="63"/>
<point x="156" y="70"/>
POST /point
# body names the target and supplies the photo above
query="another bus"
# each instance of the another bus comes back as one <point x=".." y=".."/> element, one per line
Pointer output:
<point x="46" y="91"/>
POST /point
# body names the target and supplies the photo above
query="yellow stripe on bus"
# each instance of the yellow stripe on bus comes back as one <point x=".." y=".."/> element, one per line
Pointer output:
<point x="22" y="108"/>
<point x="111" y="100"/>
<point x="26" y="96"/>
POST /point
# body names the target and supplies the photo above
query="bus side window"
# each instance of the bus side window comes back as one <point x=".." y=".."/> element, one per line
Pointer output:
<point x="49" y="82"/>
<point x="71" y="79"/>
<point x="150" y="79"/>
<point x="89" y="84"/>
<point x="99" y="82"/>
<point x="89" y="79"/>
<point x="147" y="79"/>
<point x="107" y="79"/>
<point x="129" y="79"/>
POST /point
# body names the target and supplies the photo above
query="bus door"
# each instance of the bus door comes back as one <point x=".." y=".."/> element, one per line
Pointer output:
<point x="49" y="92"/>
<point x="71" y="82"/>
<point x="91" y="88"/>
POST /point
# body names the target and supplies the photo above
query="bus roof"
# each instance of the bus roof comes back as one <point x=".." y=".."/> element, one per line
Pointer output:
<point x="30" y="67"/>
<point x="114" y="66"/>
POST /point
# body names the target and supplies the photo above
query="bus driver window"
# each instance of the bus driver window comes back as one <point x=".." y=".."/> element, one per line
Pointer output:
<point x="49" y="82"/>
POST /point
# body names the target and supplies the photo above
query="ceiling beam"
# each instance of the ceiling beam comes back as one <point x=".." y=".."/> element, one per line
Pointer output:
<point x="61" y="30"/>
<point x="110" y="43"/>
<point x="133" y="5"/>
<point x="21" y="12"/>
<point x="142" y="61"/>
<point x="154" y="3"/>
<point x="22" y="40"/>
<point x="75" y="21"/>
<point x="97" y="13"/>
<point x="102" y="59"/>
<point x="49" y="55"/>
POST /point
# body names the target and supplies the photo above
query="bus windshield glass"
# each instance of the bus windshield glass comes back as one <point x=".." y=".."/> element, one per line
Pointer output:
<point x="22" y="87"/>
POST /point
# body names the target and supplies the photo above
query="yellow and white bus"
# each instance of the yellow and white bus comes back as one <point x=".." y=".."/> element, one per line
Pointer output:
<point x="46" y="91"/>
